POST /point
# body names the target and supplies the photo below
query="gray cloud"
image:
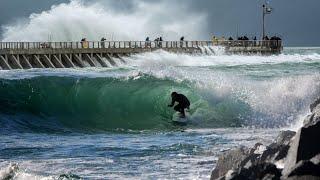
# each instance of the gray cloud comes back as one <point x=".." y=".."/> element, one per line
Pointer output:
<point x="295" y="20"/>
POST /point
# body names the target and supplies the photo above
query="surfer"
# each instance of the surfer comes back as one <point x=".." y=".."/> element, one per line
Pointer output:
<point x="183" y="103"/>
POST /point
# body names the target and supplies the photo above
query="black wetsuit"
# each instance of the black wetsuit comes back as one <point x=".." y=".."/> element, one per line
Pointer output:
<point x="183" y="103"/>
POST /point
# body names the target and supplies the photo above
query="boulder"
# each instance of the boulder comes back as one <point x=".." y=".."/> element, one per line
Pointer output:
<point x="315" y="114"/>
<point x="229" y="160"/>
<point x="306" y="177"/>
<point x="279" y="149"/>
<point x="9" y="172"/>
<point x="244" y="158"/>
<point x="299" y="151"/>
<point x="306" y="170"/>
<point x="284" y="137"/>
<point x="314" y="104"/>
<point x="304" y="146"/>
<point x="256" y="172"/>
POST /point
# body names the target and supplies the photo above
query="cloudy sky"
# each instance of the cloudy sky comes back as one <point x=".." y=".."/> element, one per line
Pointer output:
<point x="296" y="21"/>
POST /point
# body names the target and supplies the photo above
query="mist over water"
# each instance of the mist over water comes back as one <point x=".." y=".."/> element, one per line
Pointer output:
<point x="93" y="20"/>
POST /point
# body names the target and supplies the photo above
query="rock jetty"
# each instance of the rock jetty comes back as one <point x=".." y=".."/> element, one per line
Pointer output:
<point x="293" y="156"/>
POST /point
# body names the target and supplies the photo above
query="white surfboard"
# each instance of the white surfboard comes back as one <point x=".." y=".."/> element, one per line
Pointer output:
<point x="176" y="118"/>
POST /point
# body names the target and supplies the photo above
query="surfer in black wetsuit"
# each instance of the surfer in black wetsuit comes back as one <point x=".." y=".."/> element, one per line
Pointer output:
<point x="183" y="103"/>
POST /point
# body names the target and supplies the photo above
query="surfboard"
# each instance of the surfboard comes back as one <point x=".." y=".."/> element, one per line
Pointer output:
<point x="178" y="120"/>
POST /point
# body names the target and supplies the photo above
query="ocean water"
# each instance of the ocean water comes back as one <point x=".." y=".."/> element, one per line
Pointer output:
<point x="114" y="123"/>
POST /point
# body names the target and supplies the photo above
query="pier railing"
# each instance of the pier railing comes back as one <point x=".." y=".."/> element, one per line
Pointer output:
<point x="273" y="44"/>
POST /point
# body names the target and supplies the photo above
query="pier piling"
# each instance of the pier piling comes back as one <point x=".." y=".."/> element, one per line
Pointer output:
<point x="26" y="55"/>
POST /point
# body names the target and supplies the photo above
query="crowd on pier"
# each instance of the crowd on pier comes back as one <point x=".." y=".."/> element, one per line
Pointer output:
<point x="241" y="40"/>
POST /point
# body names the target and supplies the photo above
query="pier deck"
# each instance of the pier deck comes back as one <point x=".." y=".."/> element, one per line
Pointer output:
<point x="26" y="55"/>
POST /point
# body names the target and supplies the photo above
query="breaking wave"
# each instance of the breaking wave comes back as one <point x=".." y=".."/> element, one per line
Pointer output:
<point x="135" y="96"/>
<point x="225" y="91"/>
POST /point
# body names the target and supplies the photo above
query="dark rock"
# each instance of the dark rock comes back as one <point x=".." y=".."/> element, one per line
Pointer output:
<point x="274" y="153"/>
<point x="229" y="160"/>
<point x="301" y="152"/>
<point x="68" y="176"/>
<point x="279" y="149"/>
<point x="305" y="168"/>
<point x="304" y="146"/>
<point x="10" y="172"/>
<point x="315" y="104"/>
<point x="258" y="171"/>
<point x="285" y="137"/>
<point x="308" y="148"/>
<point x="315" y="116"/>
<point x="245" y="158"/>
<point x="307" y="177"/>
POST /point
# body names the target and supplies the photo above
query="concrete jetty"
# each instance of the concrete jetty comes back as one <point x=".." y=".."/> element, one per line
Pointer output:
<point x="26" y="55"/>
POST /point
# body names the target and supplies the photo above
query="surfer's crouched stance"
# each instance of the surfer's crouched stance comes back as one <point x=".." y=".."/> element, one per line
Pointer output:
<point x="183" y="103"/>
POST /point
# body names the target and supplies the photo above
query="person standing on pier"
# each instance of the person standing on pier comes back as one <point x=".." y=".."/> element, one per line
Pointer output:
<point x="160" y="42"/>
<point x="84" y="43"/>
<point x="157" y="42"/>
<point x="103" y="42"/>
<point x="181" y="41"/>
<point x="148" y="44"/>
<point x="215" y="40"/>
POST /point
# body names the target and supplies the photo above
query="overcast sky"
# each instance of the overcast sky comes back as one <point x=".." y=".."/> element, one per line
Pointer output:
<point x="296" y="21"/>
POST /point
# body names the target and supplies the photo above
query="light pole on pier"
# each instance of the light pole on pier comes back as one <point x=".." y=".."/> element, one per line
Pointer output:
<point x="266" y="9"/>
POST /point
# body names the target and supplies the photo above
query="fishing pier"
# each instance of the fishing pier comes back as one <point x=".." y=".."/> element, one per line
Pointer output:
<point x="27" y="55"/>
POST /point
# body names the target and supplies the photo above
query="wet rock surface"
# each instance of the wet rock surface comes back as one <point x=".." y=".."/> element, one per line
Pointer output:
<point x="294" y="156"/>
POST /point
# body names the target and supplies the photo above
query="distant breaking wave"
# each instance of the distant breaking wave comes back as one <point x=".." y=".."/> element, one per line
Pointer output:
<point x="78" y="19"/>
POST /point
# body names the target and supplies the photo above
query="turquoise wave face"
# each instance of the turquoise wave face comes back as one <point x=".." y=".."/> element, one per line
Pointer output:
<point x="135" y="96"/>
<point x="50" y="103"/>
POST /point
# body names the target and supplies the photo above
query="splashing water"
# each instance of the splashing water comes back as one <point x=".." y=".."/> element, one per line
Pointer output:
<point x="98" y="123"/>
<point x="77" y="19"/>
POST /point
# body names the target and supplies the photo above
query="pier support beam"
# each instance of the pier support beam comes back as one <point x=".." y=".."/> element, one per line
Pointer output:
<point x="4" y="62"/>
<point x="109" y="58"/>
<point x="25" y="61"/>
<point x="119" y="57"/>
<point x="48" y="61"/>
<point x="89" y="59"/>
<point x="78" y="59"/>
<point x="15" y="62"/>
<point x="100" y="60"/>
<point x="38" y="62"/>
<point x="68" y="61"/>
<point x="57" y="61"/>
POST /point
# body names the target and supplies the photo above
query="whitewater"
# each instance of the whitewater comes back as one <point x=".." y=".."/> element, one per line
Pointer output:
<point x="114" y="122"/>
